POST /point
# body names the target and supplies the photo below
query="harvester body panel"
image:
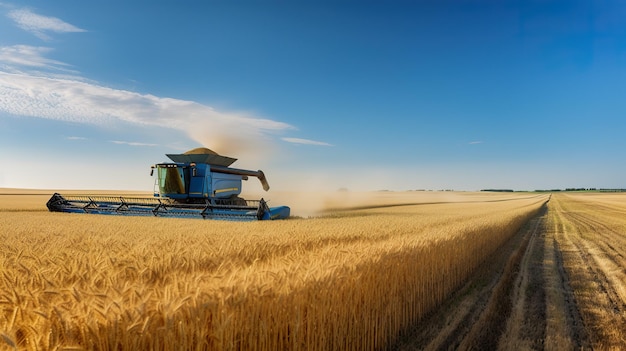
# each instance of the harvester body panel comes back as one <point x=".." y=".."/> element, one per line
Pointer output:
<point x="188" y="187"/>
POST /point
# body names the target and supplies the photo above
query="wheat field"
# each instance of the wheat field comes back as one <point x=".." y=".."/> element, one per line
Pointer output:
<point x="351" y="278"/>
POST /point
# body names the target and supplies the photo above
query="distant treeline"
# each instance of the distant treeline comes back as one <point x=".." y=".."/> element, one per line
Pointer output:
<point x="606" y="190"/>
<point x="583" y="189"/>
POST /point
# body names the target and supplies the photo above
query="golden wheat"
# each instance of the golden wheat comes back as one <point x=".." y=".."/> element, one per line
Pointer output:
<point x="354" y="280"/>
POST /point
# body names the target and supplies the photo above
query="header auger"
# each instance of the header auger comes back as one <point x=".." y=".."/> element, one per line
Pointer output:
<point x="197" y="184"/>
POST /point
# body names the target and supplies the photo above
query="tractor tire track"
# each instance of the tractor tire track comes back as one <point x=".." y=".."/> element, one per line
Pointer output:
<point x="559" y="284"/>
<point x="448" y="327"/>
<point x="606" y="233"/>
<point x="526" y="297"/>
<point x="525" y="327"/>
<point x="596" y="276"/>
<point x="509" y="286"/>
<point x="565" y="329"/>
<point x="515" y="315"/>
<point x="601" y="257"/>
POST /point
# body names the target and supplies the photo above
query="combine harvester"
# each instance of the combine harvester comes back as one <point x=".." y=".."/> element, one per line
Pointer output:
<point x="197" y="184"/>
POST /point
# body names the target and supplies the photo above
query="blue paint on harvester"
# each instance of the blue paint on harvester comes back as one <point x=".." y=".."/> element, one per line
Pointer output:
<point x="197" y="184"/>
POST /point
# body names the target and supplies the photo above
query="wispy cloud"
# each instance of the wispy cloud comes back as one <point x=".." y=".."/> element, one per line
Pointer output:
<point x="131" y="143"/>
<point x="306" y="142"/>
<point x="75" y="138"/>
<point x="475" y="142"/>
<point x="35" y="86"/>
<point x="40" y="25"/>
<point x="16" y="57"/>
<point x="86" y="102"/>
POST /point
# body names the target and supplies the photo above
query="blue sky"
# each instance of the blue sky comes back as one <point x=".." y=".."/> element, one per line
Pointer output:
<point x="365" y="95"/>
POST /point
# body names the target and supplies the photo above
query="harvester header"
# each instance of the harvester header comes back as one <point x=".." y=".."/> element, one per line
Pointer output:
<point x="198" y="183"/>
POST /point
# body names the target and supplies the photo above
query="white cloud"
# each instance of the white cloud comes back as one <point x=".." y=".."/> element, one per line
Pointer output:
<point x="131" y="143"/>
<point x="305" y="142"/>
<point x="75" y="138"/>
<point x="475" y="142"/>
<point x="84" y="102"/>
<point x="28" y="88"/>
<point x="39" y="25"/>
<point x="17" y="56"/>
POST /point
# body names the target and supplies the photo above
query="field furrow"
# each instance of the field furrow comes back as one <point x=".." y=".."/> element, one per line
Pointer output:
<point x="500" y="307"/>
<point x="525" y="327"/>
<point x="596" y="274"/>
<point x="564" y="326"/>
<point x="561" y="287"/>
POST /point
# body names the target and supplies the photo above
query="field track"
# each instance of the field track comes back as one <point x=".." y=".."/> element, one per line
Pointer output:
<point x="559" y="284"/>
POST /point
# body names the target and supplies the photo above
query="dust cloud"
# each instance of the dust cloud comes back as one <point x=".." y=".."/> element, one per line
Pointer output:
<point x="319" y="203"/>
<point x="236" y="135"/>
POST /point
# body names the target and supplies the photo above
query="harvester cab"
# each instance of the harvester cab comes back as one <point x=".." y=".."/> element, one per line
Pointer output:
<point x="197" y="176"/>
<point x="198" y="183"/>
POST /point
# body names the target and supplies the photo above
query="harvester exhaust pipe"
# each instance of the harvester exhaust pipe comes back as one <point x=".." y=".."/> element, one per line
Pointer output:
<point x="259" y="174"/>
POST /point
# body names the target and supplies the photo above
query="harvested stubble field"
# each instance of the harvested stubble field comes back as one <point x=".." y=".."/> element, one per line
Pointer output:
<point x="387" y="270"/>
